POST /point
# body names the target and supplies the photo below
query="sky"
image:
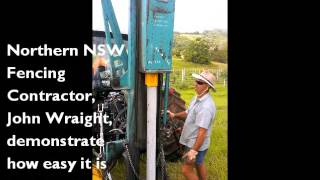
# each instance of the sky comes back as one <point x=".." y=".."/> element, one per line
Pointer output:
<point x="190" y="15"/>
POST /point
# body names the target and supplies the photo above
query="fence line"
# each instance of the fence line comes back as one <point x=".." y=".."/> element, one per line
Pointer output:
<point x="184" y="76"/>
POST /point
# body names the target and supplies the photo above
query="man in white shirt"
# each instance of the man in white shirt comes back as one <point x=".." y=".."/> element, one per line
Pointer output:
<point x="196" y="132"/>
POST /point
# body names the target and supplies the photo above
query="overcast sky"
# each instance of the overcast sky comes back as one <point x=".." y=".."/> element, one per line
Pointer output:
<point x="190" y="15"/>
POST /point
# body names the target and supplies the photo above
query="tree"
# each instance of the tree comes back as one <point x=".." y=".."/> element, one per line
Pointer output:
<point x="220" y="54"/>
<point x="180" y="43"/>
<point x="198" y="51"/>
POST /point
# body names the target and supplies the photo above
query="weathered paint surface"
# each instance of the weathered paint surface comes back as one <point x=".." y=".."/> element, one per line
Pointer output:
<point x="157" y="33"/>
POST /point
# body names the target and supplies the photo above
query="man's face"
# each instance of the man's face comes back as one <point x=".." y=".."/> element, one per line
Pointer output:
<point x="200" y="86"/>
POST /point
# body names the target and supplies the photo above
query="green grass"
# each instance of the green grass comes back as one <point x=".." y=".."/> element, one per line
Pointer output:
<point x="192" y="36"/>
<point x="179" y="63"/>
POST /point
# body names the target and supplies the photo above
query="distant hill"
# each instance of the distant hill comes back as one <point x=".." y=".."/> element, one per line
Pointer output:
<point x="218" y="42"/>
<point x="221" y="34"/>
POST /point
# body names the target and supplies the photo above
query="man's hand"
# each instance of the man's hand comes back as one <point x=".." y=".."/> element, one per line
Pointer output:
<point x="190" y="155"/>
<point x="171" y="114"/>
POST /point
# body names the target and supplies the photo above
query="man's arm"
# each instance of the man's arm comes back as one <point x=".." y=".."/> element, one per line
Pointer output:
<point x="191" y="155"/>
<point x="200" y="139"/>
<point x="180" y="115"/>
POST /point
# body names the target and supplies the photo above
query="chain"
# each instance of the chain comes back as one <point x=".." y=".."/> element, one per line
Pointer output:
<point x="130" y="160"/>
<point x="108" y="176"/>
<point x="161" y="159"/>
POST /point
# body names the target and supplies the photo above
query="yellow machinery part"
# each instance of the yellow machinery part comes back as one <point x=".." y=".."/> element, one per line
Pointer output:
<point x="96" y="173"/>
<point x="151" y="79"/>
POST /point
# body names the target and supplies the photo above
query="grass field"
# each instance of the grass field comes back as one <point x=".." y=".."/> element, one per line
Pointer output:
<point x="179" y="63"/>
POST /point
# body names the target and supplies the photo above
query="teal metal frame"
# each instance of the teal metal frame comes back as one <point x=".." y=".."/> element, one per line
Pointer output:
<point x="125" y="79"/>
<point x="157" y="32"/>
<point x="119" y="63"/>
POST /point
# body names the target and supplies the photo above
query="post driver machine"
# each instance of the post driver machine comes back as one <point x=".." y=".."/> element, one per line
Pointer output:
<point x="140" y="72"/>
